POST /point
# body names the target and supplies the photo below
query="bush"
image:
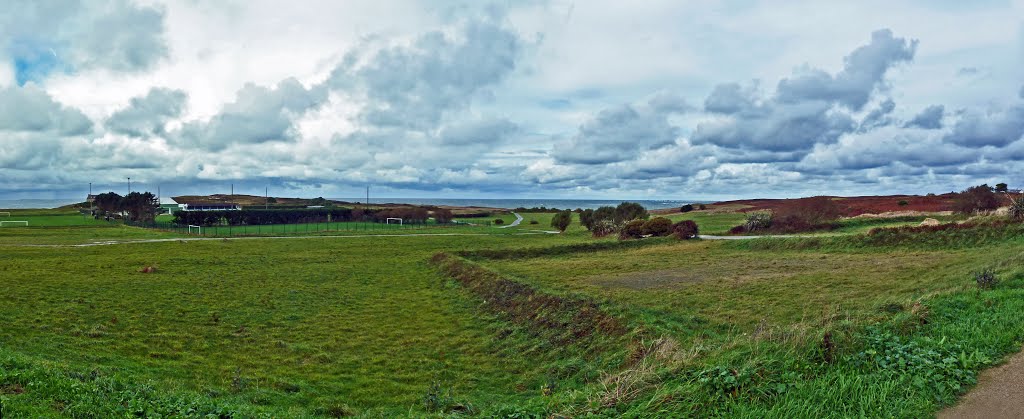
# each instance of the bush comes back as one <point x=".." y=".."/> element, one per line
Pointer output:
<point x="974" y="199"/>
<point x="986" y="279"/>
<point x="702" y="207"/>
<point x="1016" y="209"/>
<point x="443" y="216"/>
<point x="587" y="218"/>
<point x="738" y="230"/>
<point x="757" y="221"/>
<point x="629" y="211"/>
<point x="658" y="227"/>
<point x="1002" y="187"/>
<point x="686" y="208"/>
<point x="632" y="230"/>
<point x="685" y="230"/>
<point x="534" y="222"/>
<point x="499" y="221"/>
<point x="903" y="203"/>
<point x="561" y="220"/>
<point x="602" y="228"/>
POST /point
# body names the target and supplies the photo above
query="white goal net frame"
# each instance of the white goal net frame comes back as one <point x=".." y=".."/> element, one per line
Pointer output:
<point x="199" y="229"/>
<point x="5" y="213"/>
<point x="388" y="221"/>
<point x="7" y="222"/>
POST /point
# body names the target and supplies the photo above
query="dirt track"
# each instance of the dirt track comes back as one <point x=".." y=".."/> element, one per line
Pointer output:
<point x="999" y="394"/>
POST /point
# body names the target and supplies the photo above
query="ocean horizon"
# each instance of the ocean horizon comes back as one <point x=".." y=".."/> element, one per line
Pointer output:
<point x="461" y="202"/>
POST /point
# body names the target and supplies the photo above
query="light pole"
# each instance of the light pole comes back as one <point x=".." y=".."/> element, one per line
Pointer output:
<point x="129" y="184"/>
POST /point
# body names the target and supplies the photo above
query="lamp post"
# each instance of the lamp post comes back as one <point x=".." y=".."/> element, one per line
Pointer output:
<point x="129" y="184"/>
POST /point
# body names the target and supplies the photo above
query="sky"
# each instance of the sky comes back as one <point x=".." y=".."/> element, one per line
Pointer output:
<point x="510" y="99"/>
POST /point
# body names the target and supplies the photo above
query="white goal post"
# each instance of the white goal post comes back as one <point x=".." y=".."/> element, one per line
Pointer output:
<point x="389" y="220"/>
<point x="5" y="213"/>
<point x="199" y="229"/>
<point x="8" y="222"/>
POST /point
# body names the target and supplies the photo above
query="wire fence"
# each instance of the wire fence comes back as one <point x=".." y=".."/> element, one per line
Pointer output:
<point x="302" y="228"/>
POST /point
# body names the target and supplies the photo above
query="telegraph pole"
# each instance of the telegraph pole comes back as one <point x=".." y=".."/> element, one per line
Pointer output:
<point x="129" y="184"/>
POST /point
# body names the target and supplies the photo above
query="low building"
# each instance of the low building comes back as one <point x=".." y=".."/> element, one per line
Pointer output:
<point x="208" y="206"/>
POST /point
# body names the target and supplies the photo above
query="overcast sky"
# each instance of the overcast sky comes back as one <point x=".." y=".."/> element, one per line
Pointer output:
<point x="528" y="99"/>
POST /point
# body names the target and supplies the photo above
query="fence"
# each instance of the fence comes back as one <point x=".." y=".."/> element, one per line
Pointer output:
<point x="293" y="229"/>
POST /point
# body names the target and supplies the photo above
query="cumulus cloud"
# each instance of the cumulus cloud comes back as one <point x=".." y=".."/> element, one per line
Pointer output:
<point x="777" y="127"/>
<point x="991" y="127"/>
<point x="929" y="118"/>
<point x="414" y="86"/>
<point x="69" y="35"/>
<point x="879" y="116"/>
<point x="863" y="73"/>
<point x="617" y="134"/>
<point x="30" y="109"/>
<point x="147" y="115"/>
<point x="730" y="98"/>
<point x="258" y="115"/>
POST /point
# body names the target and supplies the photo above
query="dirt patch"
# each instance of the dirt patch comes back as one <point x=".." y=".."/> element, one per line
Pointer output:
<point x="14" y="389"/>
<point x="930" y="222"/>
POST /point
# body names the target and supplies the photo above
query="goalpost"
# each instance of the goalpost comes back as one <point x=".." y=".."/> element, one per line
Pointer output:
<point x="8" y="222"/>
<point x="5" y="213"/>
<point x="199" y="229"/>
<point x="389" y="220"/>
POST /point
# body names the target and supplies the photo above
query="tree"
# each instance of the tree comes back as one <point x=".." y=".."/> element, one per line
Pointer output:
<point x="1001" y="187"/>
<point x="141" y="207"/>
<point x="629" y="211"/>
<point x="976" y="198"/>
<point x="561" y="220"/>
<point x="108" y="203"/>
<point x="686" y="208"/>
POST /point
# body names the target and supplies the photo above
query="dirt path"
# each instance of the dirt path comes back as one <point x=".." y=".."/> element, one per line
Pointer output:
<point x="999" y="394"/>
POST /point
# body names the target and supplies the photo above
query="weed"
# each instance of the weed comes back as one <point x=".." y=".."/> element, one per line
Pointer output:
<point x="986" y="279"/>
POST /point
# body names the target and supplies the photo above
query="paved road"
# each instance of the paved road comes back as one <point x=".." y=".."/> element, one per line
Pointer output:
<point x="519" y="219"/>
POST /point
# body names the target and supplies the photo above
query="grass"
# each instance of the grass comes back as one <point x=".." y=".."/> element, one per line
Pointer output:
<point x="503" y="324"/>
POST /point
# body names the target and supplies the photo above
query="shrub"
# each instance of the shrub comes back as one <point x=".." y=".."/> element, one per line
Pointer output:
<point x="702" y="207"/>
<point x="903" y="203"/>
<point x="757" y="221"/>
<point x="632" y="230"/>
<point x="685" y="230"/>
<point x="1016" y="209"/>
<point x="976" y="198"/>
<point x="587" y="218"/>
<point x="1001" y="187"/>
<point x="986" y="279"/>
<point x="499" y="221"/>
<point x="561" y="220"/>
<point x="602" y="228"/>
<point x="686" y="208"/>
<point x="629" y="211"/>
<point x="534" y="222"/>
<point x="443" y="215"/>
<point x="658" y="227"/>
<point x="738" y="229"/>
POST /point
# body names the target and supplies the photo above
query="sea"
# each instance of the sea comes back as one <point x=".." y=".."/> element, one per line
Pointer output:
<point x="466" y="202"/>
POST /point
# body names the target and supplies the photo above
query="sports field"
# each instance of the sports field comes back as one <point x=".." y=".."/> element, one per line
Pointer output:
<point x="498" y="322"/>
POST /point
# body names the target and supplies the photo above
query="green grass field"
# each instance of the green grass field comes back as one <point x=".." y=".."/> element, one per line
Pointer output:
<point x="524" y="325"/>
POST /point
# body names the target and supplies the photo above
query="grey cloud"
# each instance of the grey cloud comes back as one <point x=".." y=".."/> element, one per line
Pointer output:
<point x="114" y="34"/>
<point x="147" y="115"/>
<point x="730" y="98"/>
<point x="413" y="87"/>
<point x="666" y="102"/>
<point x="879" y="116"/>
<point x="929" y="118"/>
<point x="779" y="127"/>
<point x="863" y="72"/>
<point x="478" y="133"/>
<point x="617" y="134"/>
<point x="967" y="71"/>
<point x="994" y="127"/>
<point x="29" y="108"/>
<point x="257" y="115"/>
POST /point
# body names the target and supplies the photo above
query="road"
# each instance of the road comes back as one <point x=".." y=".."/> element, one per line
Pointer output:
<point x="519" y="219"/>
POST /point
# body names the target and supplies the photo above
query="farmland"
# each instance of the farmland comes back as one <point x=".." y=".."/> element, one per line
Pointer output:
<point x="500" y="321"/>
